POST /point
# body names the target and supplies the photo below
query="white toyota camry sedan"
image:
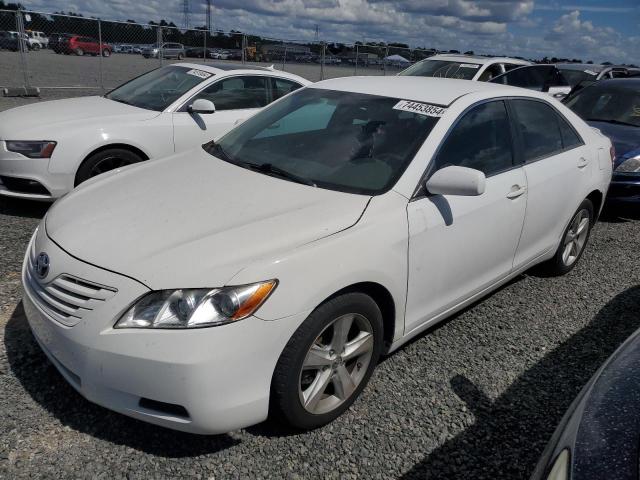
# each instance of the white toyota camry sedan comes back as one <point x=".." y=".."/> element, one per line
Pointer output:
<point x="48" y="148"/>
<point x="268" y="272"/>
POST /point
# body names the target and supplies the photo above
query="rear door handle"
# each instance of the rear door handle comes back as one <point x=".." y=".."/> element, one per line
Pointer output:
<point x="583" y="162"/>
<point x="516" y="191"/>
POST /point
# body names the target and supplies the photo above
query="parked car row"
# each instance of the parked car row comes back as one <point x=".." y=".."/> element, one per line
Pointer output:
<point x="292" y="231"/>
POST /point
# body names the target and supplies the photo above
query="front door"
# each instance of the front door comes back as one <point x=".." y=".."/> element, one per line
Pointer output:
<point x="459" y="246"/>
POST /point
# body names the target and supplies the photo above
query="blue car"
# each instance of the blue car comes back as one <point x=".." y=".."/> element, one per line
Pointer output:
<point x="613" y="107"/>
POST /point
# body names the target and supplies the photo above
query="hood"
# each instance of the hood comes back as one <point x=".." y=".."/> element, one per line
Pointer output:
<point x="625" y="138"/>
<point x="18" y="123"/>
<point x="192" y="220"/>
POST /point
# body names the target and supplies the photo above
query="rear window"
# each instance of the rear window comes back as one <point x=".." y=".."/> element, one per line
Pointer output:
<point x="443" y="69"/>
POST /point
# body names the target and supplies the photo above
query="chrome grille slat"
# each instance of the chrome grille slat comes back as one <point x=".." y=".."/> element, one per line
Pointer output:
<point x="65" y="298"/>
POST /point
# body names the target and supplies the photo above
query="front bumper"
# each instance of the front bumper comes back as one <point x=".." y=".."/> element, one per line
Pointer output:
<point x="625" y="188"/>
<point x="30" y="177"/>
<point x="206" y="381"/>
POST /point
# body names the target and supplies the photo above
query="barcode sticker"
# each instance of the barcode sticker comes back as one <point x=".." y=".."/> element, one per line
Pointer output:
<point x="199" y="73"/>
<point x="420" y="108"/>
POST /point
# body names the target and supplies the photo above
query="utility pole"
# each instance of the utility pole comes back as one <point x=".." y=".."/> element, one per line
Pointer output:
<point x="209" y="25"/>
<point x="186" y="11"/>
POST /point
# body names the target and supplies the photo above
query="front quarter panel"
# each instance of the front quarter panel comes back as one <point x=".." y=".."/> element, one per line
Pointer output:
<point x="373" y="250"/>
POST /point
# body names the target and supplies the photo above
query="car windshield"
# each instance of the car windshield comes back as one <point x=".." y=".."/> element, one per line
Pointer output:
<point x="609" y="103"/>
<point x="343" y="141"/>
<point x="159" y="88"/>
<point x="442" y="69"/>
<point x="574" y="77"/>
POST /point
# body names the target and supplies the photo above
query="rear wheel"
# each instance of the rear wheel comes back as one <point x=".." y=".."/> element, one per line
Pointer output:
<point x="106" y="52"/>
<point x="79" y="52"/>
<point x="105" y="161"/>
<point x="573" y="241"/>
<point x="328" y="361"/>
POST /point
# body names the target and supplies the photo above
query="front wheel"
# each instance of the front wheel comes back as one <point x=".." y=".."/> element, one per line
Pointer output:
<point x="328" y="361"/>
<point x="106" y="53"/>
<point x="105" y="161"/>
<point x="79" y="52"/>
<point x="573" y="242"/>
<point x="180" y="56"/>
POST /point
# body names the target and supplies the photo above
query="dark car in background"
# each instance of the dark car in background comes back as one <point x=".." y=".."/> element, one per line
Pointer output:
<point x="613" y="107"/>
<point x="576" y="73"/>
<point x="58" y="41"/>
<point x="599" y="436"/>
<point x="199" y="52"/>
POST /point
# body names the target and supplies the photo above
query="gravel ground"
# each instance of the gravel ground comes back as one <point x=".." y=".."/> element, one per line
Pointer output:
<point x="477" y="397"/>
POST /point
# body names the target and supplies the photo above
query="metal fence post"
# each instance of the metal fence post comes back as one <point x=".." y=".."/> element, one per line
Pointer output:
<point x="22" y="45"/>
<point x="205" y="54"/>
<point x="159" y="41"/>
<point x="357" y="55"/>
<point x="244" y="48"/>
<point x="284" y="55"/>
<point x="324" y="50"/>
<point x="384" y="60"/>
<point x="100" y="51"/>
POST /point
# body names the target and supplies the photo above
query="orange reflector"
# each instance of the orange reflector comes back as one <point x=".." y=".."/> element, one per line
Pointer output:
<point x="255" y="300"/>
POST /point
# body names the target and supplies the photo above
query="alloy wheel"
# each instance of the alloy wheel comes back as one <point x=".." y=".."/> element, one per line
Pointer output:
<point x="336" y="363"/>
<point x="108" y="163"/>
<point x="576" y="237"/>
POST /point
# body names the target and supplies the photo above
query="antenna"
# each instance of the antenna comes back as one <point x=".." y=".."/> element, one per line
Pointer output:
<point x="186" y="11"/>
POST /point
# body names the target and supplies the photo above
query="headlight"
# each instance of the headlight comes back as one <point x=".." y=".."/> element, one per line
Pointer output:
<point x="194" y="308"/>
<point x="30" y="149"/>
<point x="630" y="165"/>
<point x="560" y="469"/>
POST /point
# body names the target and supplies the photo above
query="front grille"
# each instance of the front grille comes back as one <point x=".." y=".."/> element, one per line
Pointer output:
<point x="65" y="298"/>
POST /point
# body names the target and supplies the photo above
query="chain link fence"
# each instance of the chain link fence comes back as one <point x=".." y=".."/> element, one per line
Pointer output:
<point x="66" y="52"/>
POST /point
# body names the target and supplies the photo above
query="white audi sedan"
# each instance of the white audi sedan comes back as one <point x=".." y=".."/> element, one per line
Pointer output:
<point x="268" y="271"/>
<point x="48" y="148"/>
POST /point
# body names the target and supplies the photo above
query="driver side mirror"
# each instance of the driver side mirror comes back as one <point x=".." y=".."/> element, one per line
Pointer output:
<point x="201" y="106"/>
<point x="454" y="180"/>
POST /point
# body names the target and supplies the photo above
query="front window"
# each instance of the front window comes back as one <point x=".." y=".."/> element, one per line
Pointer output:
<point x="343" y="141"/>
<point x="443" y="69"/>
<point x="159" y="88"/>
<point x="608" y="103"/>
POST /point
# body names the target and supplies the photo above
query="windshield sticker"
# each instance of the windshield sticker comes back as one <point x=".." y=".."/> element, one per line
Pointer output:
<point x="469" y="65"/>
<point x="199" y="73"/>
<point x="420" y="108"/>
<point x="591" y="72"/>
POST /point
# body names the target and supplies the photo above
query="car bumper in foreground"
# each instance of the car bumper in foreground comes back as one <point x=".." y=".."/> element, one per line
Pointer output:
<point x="206" y="381"/>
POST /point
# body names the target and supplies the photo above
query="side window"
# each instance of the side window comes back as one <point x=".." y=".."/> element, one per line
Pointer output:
<point x="480" y="140"/>
<point x="236" y="93"/>
<point x="281" y="87"/>
<point x="540" y="128"/>
<point x="531" y="77"/>
<point x="510" y="66"/>
<point x="570" y="138"/>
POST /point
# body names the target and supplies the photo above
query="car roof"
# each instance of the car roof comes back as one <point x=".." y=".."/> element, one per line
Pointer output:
<point x="219" y="68"/>
<point x="455" y="57"/>
<point x="438" y="91"/>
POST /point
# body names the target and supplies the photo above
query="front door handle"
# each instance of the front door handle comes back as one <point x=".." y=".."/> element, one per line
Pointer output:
<point x="583" y="162"/>
<point x="516" y="191"/>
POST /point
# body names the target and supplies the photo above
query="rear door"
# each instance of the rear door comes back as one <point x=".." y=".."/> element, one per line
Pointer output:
<point x="236" y="98"/>
<point x="557" y="162"/>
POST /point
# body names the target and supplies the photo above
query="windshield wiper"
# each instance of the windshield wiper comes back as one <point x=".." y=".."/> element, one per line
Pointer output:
<point x="615" y="122"/>
<point x="271" y="169"/>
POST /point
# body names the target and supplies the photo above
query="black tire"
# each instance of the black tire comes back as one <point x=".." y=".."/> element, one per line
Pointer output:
<point x="79" y="52"/>
<point x="105" y="161"/>
<point x="106" y="52"/>
<point x="556" y="266"/>
<point x="285" y="404"/>
<point x="36" y="46"/>
<point x="180" y="56"/>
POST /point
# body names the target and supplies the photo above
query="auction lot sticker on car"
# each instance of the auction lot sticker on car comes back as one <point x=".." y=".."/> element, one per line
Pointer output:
<point x="421" y="108"/>
<point x="198" y="73"/>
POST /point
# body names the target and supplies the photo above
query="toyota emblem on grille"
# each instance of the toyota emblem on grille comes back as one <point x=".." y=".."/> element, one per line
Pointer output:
<point x="42" y="265"/>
